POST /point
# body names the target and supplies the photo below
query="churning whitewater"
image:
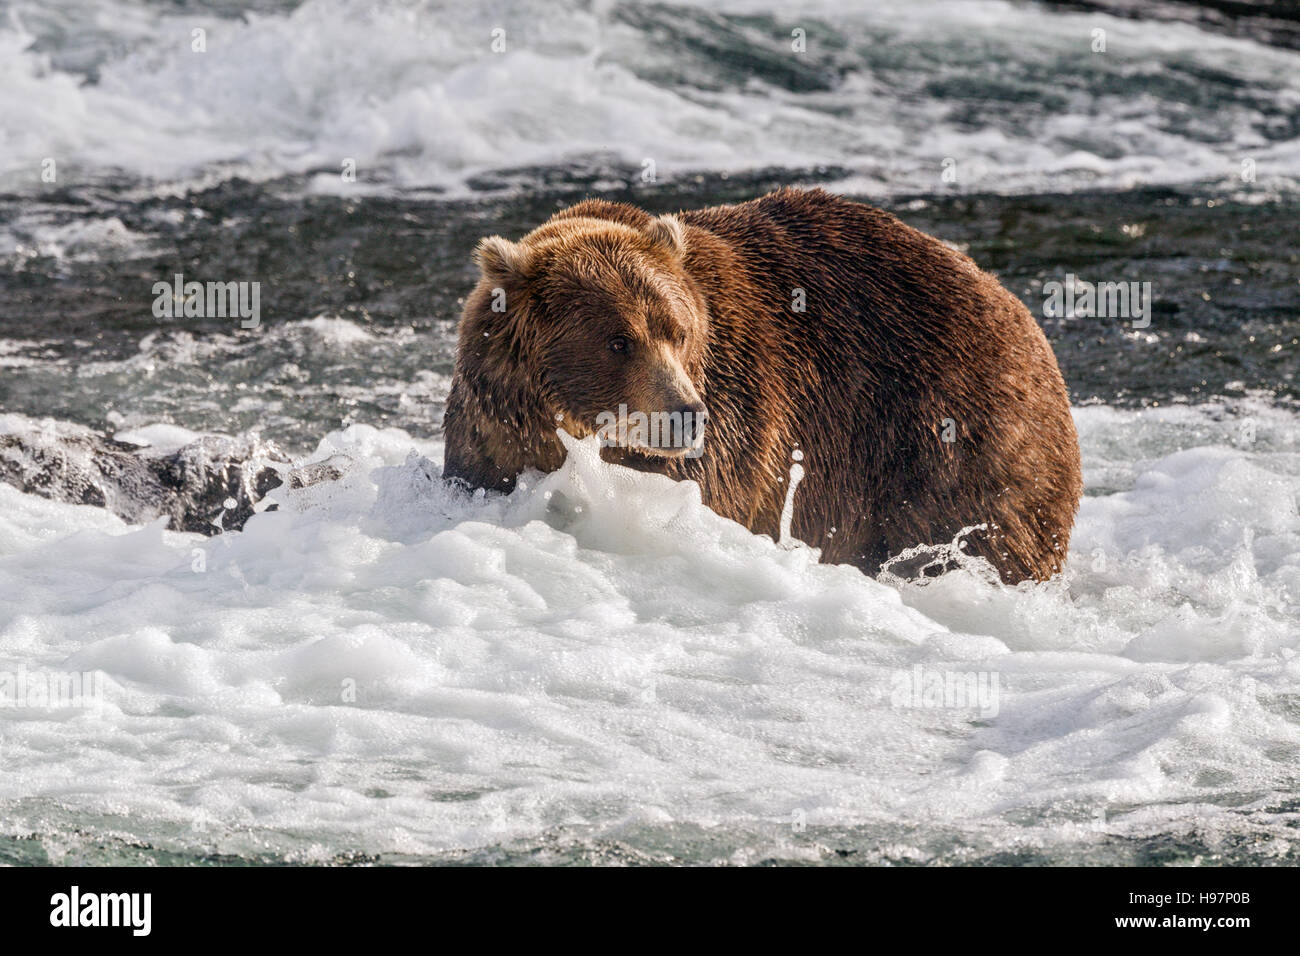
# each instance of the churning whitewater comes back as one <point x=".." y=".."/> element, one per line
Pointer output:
<point x="384" y="665"/>
<point x="406" y="92"/>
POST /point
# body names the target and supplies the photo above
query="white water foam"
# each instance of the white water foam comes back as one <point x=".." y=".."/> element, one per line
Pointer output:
<point x="416" y="96"/>
<point x="385" y="665"/>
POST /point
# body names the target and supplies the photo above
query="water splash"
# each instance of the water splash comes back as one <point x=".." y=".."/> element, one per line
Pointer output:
<point x="787" y="539"/>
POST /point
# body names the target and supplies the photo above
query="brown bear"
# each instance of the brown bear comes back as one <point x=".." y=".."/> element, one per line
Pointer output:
<point x="918" y="395"/>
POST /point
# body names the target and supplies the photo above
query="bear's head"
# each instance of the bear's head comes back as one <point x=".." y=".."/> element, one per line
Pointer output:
<point x="599" y="325"/>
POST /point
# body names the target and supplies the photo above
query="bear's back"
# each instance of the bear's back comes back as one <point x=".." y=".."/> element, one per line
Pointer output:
<point x="856" y="257"/>
<point x="892" y="339"/>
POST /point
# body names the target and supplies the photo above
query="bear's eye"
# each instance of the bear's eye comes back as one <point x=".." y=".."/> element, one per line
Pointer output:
<point x="620" y="345"/>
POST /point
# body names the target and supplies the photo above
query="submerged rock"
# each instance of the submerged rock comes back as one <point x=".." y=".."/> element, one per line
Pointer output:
<point x="207" y="485"/>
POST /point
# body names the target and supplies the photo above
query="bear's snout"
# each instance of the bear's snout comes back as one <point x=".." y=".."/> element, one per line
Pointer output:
<point x="670" y="395"/>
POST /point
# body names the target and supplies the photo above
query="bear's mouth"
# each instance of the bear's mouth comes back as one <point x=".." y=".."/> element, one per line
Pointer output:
<point x="660" y="435"/>
<point x="668" y="451"/>
<point x="674" y="449"/>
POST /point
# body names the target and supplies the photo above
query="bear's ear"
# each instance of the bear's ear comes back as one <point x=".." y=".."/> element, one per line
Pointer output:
<point x="501" y="259"/>
<point x="668" y="231"/>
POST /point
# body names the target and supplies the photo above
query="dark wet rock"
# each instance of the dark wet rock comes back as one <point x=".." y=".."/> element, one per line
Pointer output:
<point x="209" y="485"/>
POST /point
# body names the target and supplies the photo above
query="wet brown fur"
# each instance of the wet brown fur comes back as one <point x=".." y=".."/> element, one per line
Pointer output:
<point x="900" y="333"/>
